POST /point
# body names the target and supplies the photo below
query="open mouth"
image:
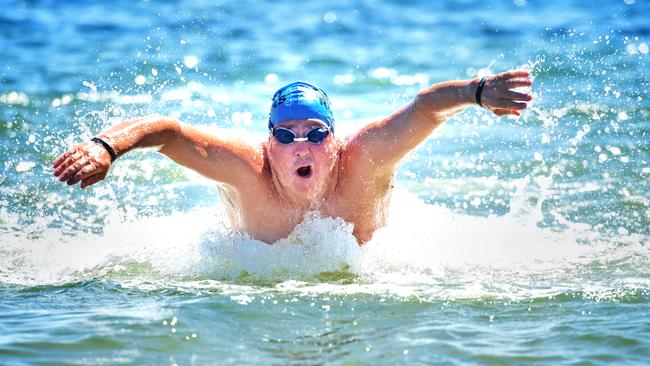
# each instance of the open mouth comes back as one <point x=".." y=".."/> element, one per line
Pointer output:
<point x="304" y="171"/>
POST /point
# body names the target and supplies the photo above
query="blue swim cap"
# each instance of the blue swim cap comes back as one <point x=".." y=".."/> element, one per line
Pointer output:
<point x="300" y="100"/>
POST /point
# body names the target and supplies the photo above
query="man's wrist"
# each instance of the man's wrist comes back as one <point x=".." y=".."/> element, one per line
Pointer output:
<point x="106" y="145"/>
<point x="469" y="91"/>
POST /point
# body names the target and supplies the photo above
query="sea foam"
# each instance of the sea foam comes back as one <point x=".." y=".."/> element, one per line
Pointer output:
<point x="426" y="250"/>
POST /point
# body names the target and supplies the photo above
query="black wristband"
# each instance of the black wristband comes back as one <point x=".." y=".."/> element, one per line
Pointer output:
<point x="106" y="146"/>
<point x="479" y="90"/>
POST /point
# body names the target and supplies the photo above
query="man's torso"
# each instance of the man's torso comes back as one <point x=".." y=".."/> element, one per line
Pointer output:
<point x="259" y="211"/>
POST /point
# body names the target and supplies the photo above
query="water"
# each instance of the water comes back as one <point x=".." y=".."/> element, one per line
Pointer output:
<point x="511" y="241"/>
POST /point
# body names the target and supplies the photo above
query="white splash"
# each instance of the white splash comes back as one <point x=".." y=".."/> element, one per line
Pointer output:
<point x="425" y="251"/>
<point x="24" y="166"/>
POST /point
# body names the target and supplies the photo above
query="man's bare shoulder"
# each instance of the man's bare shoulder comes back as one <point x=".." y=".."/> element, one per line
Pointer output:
<point x="357" y="163"/>
<point x="257" y="172"/>
<point x="359" y="176"/>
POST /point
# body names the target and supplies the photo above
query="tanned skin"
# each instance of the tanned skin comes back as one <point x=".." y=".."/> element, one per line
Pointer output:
<point x="268" y="188"/>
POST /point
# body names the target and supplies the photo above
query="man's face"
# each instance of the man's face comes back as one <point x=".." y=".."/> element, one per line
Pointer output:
<point x="302" y="167"/>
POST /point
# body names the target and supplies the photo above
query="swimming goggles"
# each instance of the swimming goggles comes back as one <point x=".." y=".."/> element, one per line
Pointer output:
<point x="315" y="135"/>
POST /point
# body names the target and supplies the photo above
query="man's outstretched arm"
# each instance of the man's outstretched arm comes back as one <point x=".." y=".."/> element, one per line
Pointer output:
<point x="227" y="161"/>
<point x="378" y="148"/>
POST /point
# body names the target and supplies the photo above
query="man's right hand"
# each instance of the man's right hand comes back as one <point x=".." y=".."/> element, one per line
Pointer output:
<point x="87" y="163"/>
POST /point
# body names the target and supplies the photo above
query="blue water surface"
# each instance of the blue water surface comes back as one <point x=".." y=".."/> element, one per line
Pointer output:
<point x="515" y="241"/>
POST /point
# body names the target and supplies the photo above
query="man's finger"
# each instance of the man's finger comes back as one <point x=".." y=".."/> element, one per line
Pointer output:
<point x="72" y="169"/>
<point x="91" y="180"/>
<point x="63" y="166"/>
<point x="83" y="173"/>
<point x="62" y="158"/>
<point x="71" y="159"/>
<point x="516" y="74"/>
<point x="505" y="112"/>
<point x="513" y="95"/>
<point x="509" y="104"/>
<point x="518" y="83"/>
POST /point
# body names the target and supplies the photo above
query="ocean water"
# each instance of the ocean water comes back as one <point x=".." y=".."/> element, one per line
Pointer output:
<point x="510" y="241"/>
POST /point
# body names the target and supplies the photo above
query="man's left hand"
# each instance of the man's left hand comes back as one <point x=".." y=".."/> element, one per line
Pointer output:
<point x="498" y="96"/>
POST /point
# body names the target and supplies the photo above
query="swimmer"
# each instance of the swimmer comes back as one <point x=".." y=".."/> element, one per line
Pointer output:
<point x="303" y="165"/>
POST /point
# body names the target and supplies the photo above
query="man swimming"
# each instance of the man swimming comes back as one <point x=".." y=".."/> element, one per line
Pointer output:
<point x="303" y="165"/>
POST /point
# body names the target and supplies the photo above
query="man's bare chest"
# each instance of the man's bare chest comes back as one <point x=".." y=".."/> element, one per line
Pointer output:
<point x="271" y="219"/>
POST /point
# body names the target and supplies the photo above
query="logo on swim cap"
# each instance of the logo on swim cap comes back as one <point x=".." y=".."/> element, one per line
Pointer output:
<point x="300" y="100"/>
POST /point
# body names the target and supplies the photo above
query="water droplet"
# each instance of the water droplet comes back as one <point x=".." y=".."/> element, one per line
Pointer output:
<point x="89" y="85"/>
<point x="191" y="61"/>
<point x="344" y="79"/>
<point x="271" y="78"/>
<point x="602" y="158"/>
<point x="383" y="73"/>
<point x="545" y="138"/>
<point x="630" y="49"/>
<point x="220" y="97"/>
<point x="614" y="150"/>
<point x="140" y="80"/>
<point x="24" y="166"/>
<point x="329" y="17"/>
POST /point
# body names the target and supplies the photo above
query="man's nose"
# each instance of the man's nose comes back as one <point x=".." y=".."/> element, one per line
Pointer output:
<point x="302" y="149"/>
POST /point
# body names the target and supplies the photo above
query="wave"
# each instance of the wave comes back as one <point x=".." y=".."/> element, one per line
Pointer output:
<point x="425" y="251"/>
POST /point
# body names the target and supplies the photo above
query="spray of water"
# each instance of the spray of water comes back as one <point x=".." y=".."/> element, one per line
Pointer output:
<point x="425" y="251"/>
